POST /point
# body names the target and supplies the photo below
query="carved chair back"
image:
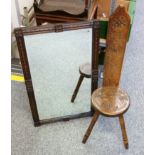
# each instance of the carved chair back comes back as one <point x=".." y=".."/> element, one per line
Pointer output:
<point x="117" y="36"/>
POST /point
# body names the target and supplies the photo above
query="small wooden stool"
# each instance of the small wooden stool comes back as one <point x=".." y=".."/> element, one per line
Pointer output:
<point x="85" y="72"/>
<point x="109" y="101"/>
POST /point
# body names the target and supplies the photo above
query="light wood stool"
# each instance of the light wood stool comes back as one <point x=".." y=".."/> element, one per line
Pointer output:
<point x="110" y="100"/>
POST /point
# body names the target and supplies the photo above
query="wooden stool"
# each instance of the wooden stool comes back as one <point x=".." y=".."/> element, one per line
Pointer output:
<point x="85" y="72"/>
<point x="110" y="100"/>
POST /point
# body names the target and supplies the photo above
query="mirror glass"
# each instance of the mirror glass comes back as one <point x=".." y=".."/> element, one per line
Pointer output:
<point x="54" y="61"/>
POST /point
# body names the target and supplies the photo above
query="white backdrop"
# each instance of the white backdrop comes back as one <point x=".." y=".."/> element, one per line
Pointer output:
<point x="16" y="12"/>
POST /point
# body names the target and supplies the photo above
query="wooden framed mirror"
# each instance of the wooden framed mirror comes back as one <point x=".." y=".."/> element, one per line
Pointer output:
<point x="50" y="57"/>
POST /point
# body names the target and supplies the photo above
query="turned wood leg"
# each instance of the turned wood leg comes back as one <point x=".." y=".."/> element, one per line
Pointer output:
<point x="88" y="132"/>
<point x="77" y="88"/>
<point x="124" y="134"/>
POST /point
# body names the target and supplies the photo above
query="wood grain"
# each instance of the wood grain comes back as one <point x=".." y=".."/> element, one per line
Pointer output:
<point x="124" y="134"/>
<point x="117" y="35"/>
<point x="110" y="101"/>
<point x="124" y="3"/>
<point x="103" y="8"/>
<point x="93" y="10"/>
<point x="88" y="132"/>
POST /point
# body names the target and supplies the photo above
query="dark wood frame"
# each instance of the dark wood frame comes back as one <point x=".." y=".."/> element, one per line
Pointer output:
<point x="21" y="32"/>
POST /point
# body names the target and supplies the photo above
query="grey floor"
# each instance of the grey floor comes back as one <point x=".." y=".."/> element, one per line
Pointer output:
<point x="65" y="138"/>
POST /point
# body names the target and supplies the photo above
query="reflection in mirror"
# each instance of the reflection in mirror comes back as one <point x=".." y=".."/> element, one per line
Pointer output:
<point x="54" y="61"/>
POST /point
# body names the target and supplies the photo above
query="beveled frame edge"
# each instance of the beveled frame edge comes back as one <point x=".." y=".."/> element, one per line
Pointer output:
<point x="21" y="32"/>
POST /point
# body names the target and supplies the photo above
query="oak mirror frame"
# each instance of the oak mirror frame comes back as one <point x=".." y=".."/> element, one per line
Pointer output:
<point x="34" y="66"/>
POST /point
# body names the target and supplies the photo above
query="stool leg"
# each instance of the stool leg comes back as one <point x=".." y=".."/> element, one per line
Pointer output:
<point x="124" y="134"/>
<point x="77" y="88"/>
<point x="88" y="132"/>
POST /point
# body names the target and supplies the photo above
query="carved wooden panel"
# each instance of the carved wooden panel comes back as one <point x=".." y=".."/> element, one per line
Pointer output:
<point x="117" y="35"/>
<point x="122" y="2"/>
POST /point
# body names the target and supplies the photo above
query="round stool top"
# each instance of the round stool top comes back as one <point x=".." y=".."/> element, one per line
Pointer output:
<point x="85" y="70"/>
<point x="110" y="101"/>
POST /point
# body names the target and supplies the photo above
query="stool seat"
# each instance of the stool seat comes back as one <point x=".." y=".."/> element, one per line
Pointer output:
<point x="110" y="101"/>
<point x="85" y="70"/>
